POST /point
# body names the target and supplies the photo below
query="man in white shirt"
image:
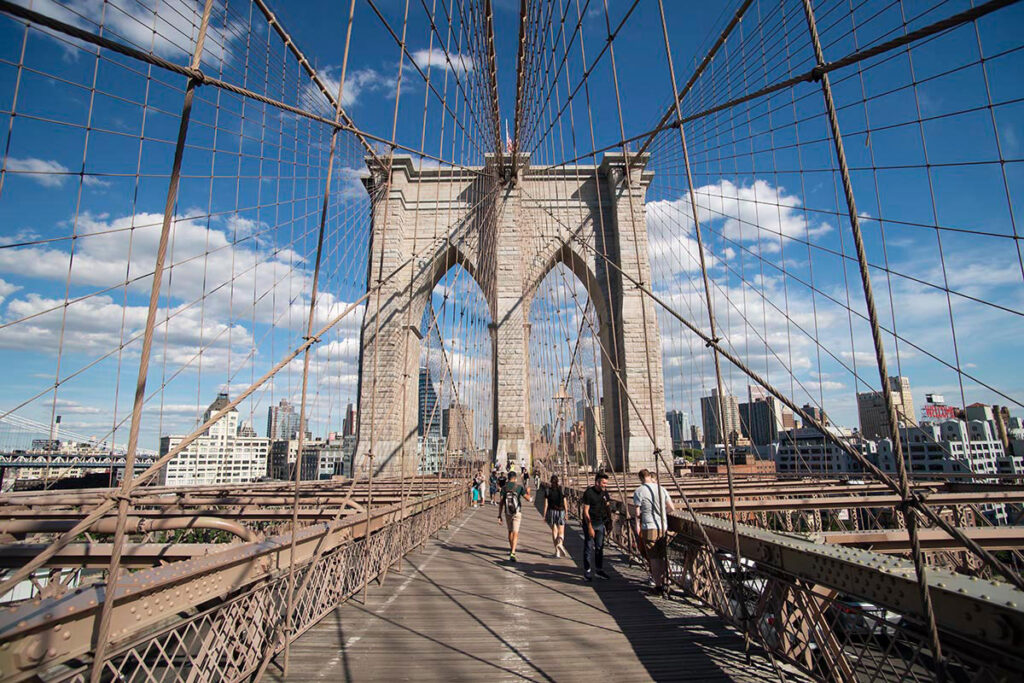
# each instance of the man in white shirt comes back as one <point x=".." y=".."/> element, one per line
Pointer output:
<point x="651" y="505"/>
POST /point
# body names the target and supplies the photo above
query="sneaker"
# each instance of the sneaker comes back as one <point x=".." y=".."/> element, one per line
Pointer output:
<point x="601" y="574"/>
<point x="511" y="557"/>
<point x="588" y="577"/>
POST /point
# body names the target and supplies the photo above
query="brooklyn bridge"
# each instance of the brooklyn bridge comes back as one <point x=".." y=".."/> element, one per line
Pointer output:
<point x="288" y="292"/>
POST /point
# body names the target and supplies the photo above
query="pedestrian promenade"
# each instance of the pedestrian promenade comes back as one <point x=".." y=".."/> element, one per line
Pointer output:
<point x="459" y="611"/>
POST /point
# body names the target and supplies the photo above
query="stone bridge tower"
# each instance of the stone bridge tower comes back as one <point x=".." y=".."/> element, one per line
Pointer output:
<point x="508" y="235"/>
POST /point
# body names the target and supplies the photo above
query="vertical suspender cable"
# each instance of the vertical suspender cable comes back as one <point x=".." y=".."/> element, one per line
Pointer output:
<point x="290" y="607"/>
<point x="876" y="338"/>
<point x="114" y="567"/>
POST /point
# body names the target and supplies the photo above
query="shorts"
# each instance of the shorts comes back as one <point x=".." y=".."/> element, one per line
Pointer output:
<point x="555" y="517"/>
<point x="513" y="522"/>
<point x="655" y="543"/>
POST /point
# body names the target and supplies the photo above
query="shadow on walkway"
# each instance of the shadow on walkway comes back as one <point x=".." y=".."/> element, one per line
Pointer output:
<point x="459" y="610"/>
<point x="675" y="639"/>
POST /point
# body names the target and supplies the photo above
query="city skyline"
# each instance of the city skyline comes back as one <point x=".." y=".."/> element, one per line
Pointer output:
<point x="752" y="214"/>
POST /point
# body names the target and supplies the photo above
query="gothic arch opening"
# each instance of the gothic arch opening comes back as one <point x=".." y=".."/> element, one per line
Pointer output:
<point x="455" y="372"/>
<point x="569" y="407"/>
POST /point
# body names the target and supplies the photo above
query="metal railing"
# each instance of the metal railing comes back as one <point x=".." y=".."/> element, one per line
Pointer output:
<point x="220" y="617"/>
<point x="834" y="612"/>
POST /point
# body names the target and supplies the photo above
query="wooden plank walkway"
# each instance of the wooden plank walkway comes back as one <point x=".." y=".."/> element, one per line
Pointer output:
<point x="460" y="611"/>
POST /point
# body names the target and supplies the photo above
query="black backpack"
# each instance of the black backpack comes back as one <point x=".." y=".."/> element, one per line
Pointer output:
<point x="512" y="502"/>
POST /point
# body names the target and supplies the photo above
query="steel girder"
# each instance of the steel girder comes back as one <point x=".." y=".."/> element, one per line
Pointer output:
<point x="988" y="613"/>
<point x="45" y="632"/>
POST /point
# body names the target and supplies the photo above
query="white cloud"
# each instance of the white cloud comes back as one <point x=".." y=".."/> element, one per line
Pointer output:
<point x="94" y="326"/>
<point x="777" y="307"/>
<point x="350" y="180"/>
<point x="224" y="264"/>
<point x="6" y="289"/>
<point x="68" y="407"/>
<point x="436" y="58"/>
<point x="755" y="213"/>
<point x="19" y="237"/>
<point x="228" y="334"/>
<point x="358" y="83"/>
<point x="168" y="28"/>
<point x="47" y="173"/>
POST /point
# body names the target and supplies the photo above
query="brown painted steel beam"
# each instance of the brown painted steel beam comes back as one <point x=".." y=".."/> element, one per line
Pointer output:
<point x="134" y="525"/>
<point x="97" y="555"/>
<point x="985" y="612"/>
<point x="65" y="625"/>
<point x="897" y="540"/>
<point x="878" y="501"/>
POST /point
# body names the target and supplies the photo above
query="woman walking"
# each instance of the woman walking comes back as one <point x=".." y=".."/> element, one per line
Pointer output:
<point x="554" y="515"/>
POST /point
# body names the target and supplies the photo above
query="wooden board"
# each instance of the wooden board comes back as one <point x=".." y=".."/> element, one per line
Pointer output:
<point x="460" y="611"/>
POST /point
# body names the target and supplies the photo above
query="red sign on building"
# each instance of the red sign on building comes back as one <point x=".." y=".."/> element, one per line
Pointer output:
<point x="937" y="412"/>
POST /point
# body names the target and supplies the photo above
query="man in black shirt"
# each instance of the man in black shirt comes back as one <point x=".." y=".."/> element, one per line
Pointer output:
<point x="597" y="517"/>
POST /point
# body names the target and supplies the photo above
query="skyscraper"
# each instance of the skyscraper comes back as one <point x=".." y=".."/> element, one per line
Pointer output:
<point x="283" y="421"/>
<point x="678" y="427"/>
<point x="348" y="427"/>
<point x="817" y="413"/>
<point x="761" y="420"/>
<point x="874" y="416"/>
<point x="593" y="427"/>
<point x="429" y="423"/>
<point x="709" y="417"/>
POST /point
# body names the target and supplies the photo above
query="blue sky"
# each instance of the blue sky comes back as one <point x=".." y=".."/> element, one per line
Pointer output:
<point x="248" y="208"/>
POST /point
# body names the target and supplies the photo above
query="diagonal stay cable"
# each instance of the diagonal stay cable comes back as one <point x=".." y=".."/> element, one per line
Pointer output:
<point x="916" y="501"/>
<point x="85" y="523"/>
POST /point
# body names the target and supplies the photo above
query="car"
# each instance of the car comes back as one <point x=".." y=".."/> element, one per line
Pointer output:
<point x="862" y="619"/>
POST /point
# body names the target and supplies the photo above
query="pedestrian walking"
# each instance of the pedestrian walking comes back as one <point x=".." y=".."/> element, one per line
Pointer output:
<point x="502" y="480"/>
<point x="554" y="515"/>
<point x="651" y="505"/>
<point x="478" y="494"/>
<point x="492" y="482"/>
<point x="597" y="518"/>
<point x="511" y="509"/>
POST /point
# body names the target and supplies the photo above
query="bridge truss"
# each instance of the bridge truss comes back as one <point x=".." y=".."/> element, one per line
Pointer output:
<point x="832" y="201"/>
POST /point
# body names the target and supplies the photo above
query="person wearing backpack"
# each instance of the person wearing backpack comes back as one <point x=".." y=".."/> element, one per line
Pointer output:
<point x="554" y="515"/>
<point x="511" y="508"/>
<point x="597" y="519"/>
<point x="502" y="480"/>
<point x="492" y="482"/>
<point x="651" y="505"/>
